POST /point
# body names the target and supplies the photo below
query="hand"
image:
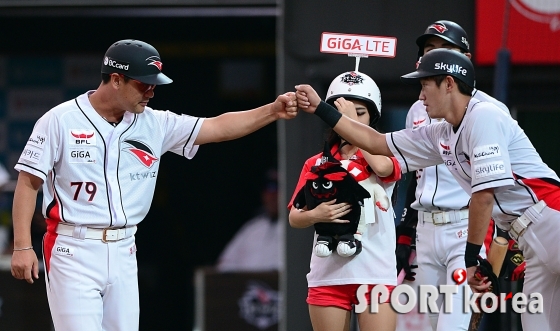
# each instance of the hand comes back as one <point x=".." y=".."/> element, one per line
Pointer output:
<point x="285" y="106"/>
<point x="403" y="262"/>
<point x="307" y="98"/>
<point x="330" y="212"/>
<point x="478" y="284"/>
<point x="346" y="107"/>
<point x="25" y="265"/>
<point x="405" y="237"/>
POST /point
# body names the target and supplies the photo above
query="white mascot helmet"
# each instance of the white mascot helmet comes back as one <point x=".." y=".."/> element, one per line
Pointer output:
<point x="357" y="85"/>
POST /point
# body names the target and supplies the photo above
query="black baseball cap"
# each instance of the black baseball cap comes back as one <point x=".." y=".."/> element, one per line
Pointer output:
<point x="443" y="61"/>
<point x="135" y="59"/>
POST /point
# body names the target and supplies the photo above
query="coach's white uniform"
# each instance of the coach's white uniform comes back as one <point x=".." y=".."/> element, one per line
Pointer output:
<point x="441" y="233"/>
<point x="98" y="176"/>
<point x="490" y="150"/>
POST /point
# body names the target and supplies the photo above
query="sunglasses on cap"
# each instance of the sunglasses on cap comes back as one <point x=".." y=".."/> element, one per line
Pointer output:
<point x="143" y="87"/>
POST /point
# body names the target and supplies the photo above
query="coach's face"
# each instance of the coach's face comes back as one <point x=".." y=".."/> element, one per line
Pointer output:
<point x="136" y="95"/>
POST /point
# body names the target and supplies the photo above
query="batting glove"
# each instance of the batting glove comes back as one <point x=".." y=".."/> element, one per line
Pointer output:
<point x="405" y="238"/>
<point x="484" y="269"/>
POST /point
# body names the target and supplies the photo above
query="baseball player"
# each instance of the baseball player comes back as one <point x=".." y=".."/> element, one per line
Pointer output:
<point x="97" y="159"/>
<point x="334" y="280"/>
<point x="490" y="157"/>
<point x="436" y="209"/>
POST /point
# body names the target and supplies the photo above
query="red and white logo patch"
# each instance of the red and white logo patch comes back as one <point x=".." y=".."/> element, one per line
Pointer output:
<point x="439" y="27"/>
<point x="155" y="61"/>
<point x="82" y="137"/>
<point x="142" y="153"/>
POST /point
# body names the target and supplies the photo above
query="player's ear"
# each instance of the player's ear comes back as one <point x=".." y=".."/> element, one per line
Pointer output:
<point x="115" y="80"/>
<point x="449" y="82"/>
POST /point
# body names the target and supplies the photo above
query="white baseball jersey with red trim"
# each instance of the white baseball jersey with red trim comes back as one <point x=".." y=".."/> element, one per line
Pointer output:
<point x="488" y="150"/>
<point x="436" y="188"/>
<point x="98" y="175"/>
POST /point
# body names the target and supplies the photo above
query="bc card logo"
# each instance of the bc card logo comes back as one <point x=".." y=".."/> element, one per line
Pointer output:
<point x="142" y="152"/>
<point x="259" y="305"/>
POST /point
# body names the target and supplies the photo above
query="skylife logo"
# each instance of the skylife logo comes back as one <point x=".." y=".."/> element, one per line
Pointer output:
<point x="450" y="68"/>
<point x="426" y="295"/>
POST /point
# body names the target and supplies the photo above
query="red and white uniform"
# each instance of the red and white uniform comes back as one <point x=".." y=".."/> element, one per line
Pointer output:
<point x="376" y="264"/>
<point x="490" y="150"/>
<point x="441" y="248"/>
<point x="98" y="176"/>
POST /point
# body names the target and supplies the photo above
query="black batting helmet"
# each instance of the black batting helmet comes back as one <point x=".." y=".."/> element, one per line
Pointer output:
<point x="447" y="30"/>
<point x="443" y="61"/>
<point x="135" y="59"/>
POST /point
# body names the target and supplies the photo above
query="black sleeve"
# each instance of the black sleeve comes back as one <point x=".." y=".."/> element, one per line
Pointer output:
<point x="409" y="217"/>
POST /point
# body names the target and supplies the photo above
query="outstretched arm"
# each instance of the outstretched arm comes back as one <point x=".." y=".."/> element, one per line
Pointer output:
<point x="233" y="125"/>
<point x="380" y="164"/>
<point x="356" y="133"/>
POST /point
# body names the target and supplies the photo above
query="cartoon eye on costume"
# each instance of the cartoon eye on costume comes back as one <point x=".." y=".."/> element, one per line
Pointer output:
<point x="328" y="185"/>
<point x="315" y="186"/>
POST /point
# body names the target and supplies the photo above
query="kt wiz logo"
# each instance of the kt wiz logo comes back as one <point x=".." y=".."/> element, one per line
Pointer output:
<point x="142" y="152"/>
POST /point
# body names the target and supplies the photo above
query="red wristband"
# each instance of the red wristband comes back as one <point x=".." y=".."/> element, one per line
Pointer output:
<point x="404" y="240"/>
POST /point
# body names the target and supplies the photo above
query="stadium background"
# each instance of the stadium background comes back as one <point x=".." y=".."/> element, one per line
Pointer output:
<point x="234" y="55"/>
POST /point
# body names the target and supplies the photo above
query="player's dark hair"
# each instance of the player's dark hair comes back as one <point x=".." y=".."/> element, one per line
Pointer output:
<point x="462" y="86"/>
<point x="106" y="78"/>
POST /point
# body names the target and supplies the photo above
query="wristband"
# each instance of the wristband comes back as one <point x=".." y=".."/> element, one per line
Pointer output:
<point x="328" y="114"/>
<point x="404" y="240"/>
<point x="22" y="249"/>
<point x="471" y="253"/>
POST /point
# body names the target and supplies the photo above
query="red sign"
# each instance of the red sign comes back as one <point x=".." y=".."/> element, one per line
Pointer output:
<point x="533" y="32"/>
<point x="355" y="44"/>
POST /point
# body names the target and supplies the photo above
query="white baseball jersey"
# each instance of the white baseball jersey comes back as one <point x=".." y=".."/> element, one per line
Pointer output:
<point x="99" y="175"/>
<point x="376" y="264"/>
<point x="436" y="188"/>
<point x="488" y="150"/>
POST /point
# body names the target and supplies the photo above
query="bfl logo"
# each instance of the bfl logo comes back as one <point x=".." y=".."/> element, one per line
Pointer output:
<point x="426" y="295"/>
